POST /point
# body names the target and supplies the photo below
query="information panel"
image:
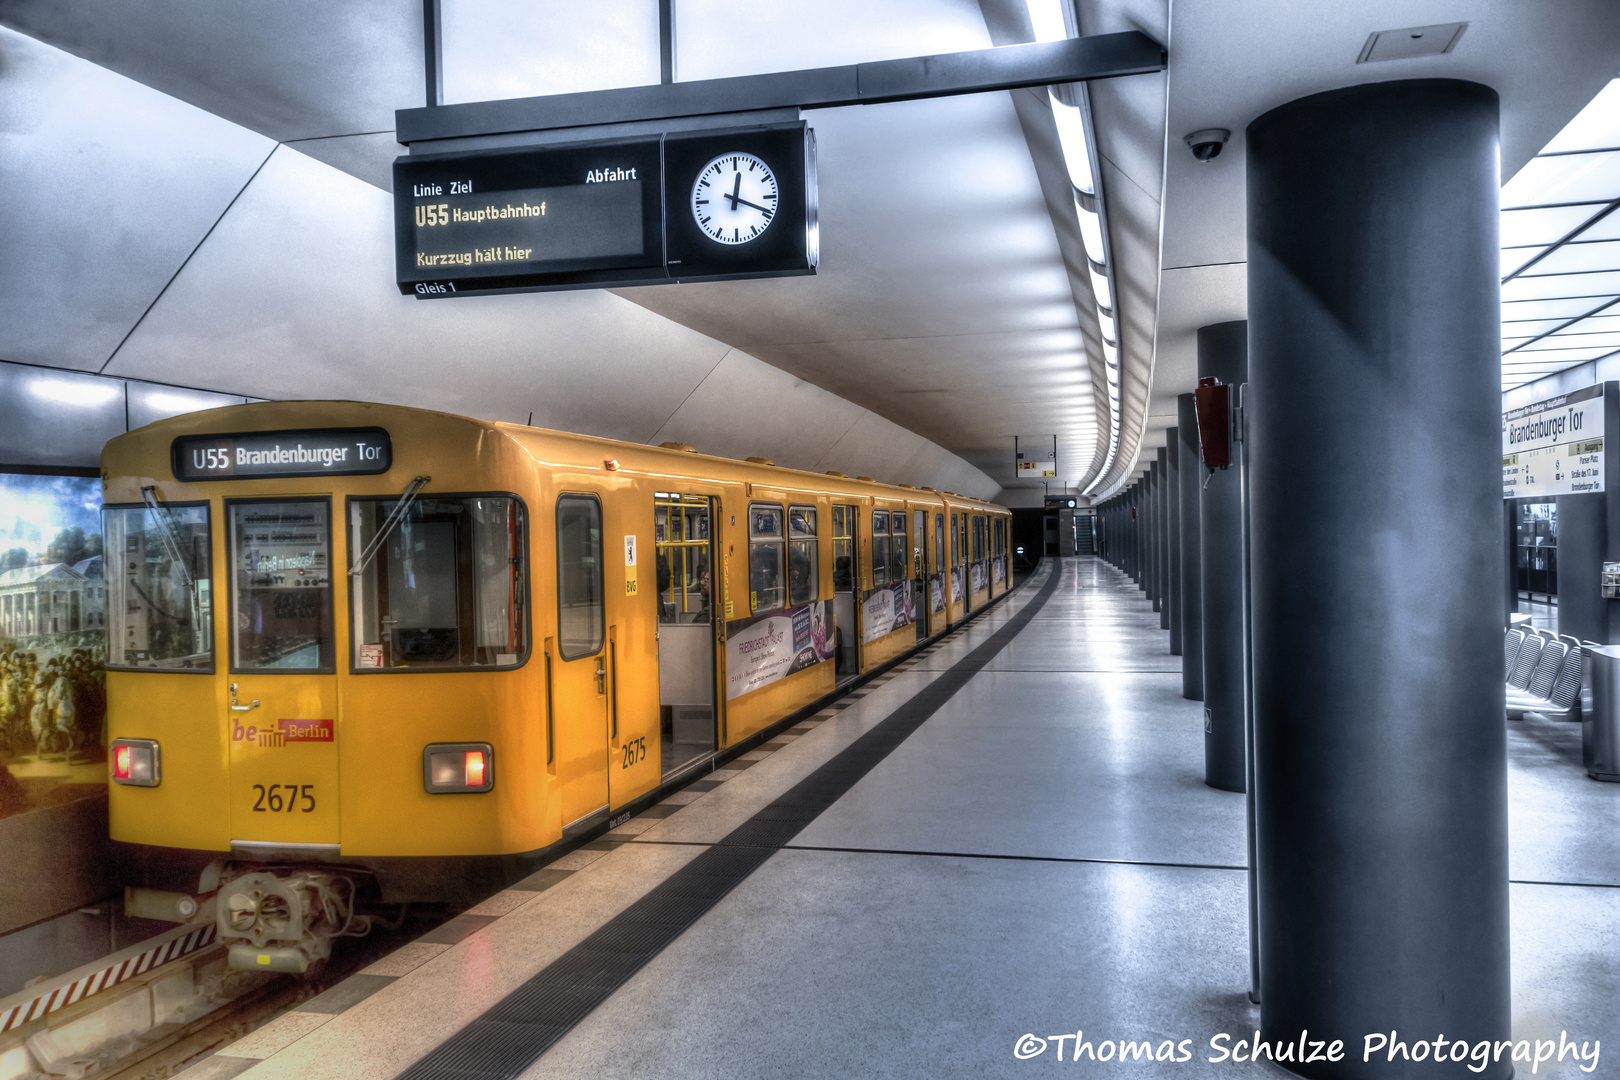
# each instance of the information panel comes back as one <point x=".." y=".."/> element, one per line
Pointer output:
<point x="706" y="205"/>
<point x="528" y="218"/>
<point x="1554" y="447"/>
<point x="348" y="451"/>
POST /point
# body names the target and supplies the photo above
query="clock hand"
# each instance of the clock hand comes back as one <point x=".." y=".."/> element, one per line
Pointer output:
<point x="736" y="189"/>
<point x="756" y="206"/>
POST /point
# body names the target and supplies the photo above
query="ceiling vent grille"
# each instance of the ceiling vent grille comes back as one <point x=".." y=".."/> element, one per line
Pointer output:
<point x="1411" y="42"/>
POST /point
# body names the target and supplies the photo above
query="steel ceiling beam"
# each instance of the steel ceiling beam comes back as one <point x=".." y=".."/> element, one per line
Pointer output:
<point x="1101" y="56"/>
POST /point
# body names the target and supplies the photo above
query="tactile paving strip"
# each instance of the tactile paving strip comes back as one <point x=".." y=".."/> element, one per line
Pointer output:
<point x="509" y="1037"/>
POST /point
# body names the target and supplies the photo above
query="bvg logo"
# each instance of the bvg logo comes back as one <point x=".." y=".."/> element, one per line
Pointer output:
<point x="285" y="731"/>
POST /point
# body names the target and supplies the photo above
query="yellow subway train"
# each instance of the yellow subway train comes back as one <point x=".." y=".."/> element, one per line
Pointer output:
<point x="367" y="650"/>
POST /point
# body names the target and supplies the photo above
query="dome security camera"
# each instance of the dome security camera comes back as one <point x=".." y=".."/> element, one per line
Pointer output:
<point x="1206" y="144"/>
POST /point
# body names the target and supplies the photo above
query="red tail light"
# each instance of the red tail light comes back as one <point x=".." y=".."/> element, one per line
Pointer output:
<point x="137" y="762"/>
<point x="458" y="768"/>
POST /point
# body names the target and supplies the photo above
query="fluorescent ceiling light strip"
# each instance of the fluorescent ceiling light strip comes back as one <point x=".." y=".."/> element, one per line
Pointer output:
<point x="74" y="393"/>
<point x="1100" y="289"/>
<point x="1071" y="129"/>
<point x="1091" y="234"/>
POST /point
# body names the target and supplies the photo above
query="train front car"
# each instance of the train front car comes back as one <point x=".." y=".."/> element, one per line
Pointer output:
<point x="319" y="662"/>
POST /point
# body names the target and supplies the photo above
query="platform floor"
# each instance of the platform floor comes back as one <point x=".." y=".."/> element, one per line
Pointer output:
<point x="1040" y="855"/>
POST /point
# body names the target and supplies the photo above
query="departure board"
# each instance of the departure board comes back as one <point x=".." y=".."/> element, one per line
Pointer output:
<point x="530" y="218"/>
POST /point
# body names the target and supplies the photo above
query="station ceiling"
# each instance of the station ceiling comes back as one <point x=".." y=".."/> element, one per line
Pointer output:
<point x="199" y="196"/>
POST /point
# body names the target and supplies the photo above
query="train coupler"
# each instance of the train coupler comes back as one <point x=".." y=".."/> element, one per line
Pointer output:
<point x="286" y="920"/>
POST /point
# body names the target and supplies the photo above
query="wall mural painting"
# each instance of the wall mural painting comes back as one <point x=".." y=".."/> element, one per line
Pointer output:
<point x="53" y="641"/>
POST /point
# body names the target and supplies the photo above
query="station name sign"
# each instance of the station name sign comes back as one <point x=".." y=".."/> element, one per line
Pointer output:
<point x="606" y="213"/>
<point x="260" y="454"/>
<point x="1554" y="447"/>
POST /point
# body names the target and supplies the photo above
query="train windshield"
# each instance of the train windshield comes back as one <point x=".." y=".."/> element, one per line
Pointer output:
<point x="446" y="590"/>
<point x="281" y="585"/>
<point x="161" y="614"/>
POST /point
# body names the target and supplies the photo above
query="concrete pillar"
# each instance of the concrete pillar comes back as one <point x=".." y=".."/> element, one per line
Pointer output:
<point x="1151" y="580"/>
<point x="1588" y="536"/>
<point x="1189" y="476"/>
<point x="1161" y="508"/>
<point x="1223" y="351"/>
<point x="1510" y="536"/>
<point x="1138" y="532"/>
<point x="1374" y="436"/>
<point x="1172" y="532"/>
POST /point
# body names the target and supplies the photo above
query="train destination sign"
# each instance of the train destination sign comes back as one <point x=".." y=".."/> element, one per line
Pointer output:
<point x="258" y="454"/>
<point x="688" y="206"/>
<point x="1554" y="447"/>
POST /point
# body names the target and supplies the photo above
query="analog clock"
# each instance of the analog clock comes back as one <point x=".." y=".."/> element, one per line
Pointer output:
<point x="734" y="198"/>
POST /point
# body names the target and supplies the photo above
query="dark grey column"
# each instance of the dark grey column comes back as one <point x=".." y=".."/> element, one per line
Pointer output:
<point x="1510" y="539"/>
<point x="1138" y="532"/>
<point x="1375" y="432"/>
<point x="1223" y="351"/>
<point x="1172" y="534"/>
<point x="1582" y="539"/>
<point x="1589" y="535"/>
<point x="1151" y="581"/>
<point x="1161" y="510"/>
<point x="1189" y="475"/>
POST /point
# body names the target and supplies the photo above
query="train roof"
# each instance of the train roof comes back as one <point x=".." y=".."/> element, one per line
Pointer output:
<point x="294" y="414"/>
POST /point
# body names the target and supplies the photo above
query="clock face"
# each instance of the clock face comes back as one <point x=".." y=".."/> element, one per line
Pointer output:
<point x="735" y="198"/>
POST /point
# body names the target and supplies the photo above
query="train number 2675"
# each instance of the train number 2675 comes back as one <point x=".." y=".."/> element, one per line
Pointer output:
<point x="278" y="798"/>
<point x="635" y="750"/>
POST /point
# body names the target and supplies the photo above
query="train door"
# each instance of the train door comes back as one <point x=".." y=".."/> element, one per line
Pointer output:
<point x="579" y="670"/>
<point x="938" y="584"/>
<point x="961" y="521"/>
<point x="282" y="677"/>
<point x="846" y="575"/>
<point x="919" y="570"/>
<point x="685" y="554"/>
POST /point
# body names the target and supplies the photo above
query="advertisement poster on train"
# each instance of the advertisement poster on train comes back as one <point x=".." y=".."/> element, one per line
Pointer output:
<point x="765" y="648"/>
<point x="998" y="570"/>
<point x="936" y="592"/>
<point x="53" y="641"/>
<point x="885" y="610"/>
<point x="956" y="584"/>
<point x="1554" y="447"/>
<point x="976" y="578"/>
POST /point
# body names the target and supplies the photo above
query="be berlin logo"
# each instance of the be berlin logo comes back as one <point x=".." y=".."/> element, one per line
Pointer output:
<point x="1474" y="1056"/>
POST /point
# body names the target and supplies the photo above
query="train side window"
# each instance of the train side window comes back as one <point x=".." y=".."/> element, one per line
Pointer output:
<point x="281" y="585"/>
<point x="446" y="590"/>
<point x="803" y="579"/>
<point x="765" y="557"/>
<point x="961" y="538"/>
<point x="581" y="624"/>
<point x="978" y="538"/>
<point x="880" y="548"/>
<point x="681" y="536"/>
<point x="939" y="542"/>
<point x="898" y="548"/>
<point x="160" y="610"/>
<point x="843" y="541"/>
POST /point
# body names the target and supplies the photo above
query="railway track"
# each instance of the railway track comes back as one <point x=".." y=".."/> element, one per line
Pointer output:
<point x="243" y="1002"/>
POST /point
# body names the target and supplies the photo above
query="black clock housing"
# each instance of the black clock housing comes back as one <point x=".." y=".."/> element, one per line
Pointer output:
<point x="788" y="247"/>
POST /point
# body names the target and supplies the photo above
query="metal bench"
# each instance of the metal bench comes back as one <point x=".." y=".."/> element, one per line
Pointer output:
<point x="1525" y="663"/>
<point x="1538" y="688"/>
<point x="1510" y="650"/>
<point x="1560" y="698"/>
